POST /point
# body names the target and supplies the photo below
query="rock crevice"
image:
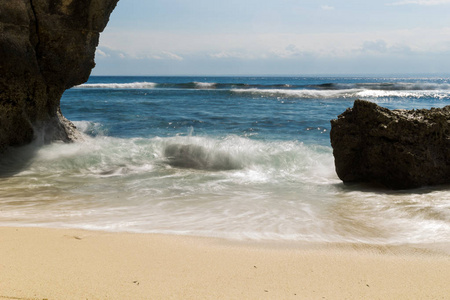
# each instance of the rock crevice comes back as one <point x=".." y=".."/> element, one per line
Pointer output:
<point x="397" y="148"/>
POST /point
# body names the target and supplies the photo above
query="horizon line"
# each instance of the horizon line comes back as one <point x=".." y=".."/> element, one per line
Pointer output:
<point x="413" y="74"/>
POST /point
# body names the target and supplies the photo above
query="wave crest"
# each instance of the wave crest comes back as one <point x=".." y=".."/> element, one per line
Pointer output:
<point x="132" y="85"/>
<point x="343" y="94"/>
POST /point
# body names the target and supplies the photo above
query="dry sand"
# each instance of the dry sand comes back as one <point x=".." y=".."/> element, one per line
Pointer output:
<point x="74" y="264"/>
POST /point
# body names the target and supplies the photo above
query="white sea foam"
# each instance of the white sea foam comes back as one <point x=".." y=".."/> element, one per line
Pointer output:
<point x="438" y="94"/>
<point x="132" y="85"/>
<point x="306" y="94"/>
<point x="276" y="190"/>
<point x="345" y="93"/>
<point x="396" y="86"/>
<point x="205" y="85"/>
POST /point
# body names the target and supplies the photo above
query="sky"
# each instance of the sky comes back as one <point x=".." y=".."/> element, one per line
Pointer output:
<point x="276" y="37"/>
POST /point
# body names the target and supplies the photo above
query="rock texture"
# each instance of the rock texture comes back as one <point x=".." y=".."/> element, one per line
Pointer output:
<point x="46" y="47"/>
<point x="399" y="148"/>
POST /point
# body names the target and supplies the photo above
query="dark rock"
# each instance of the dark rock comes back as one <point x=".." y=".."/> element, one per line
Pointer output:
<point x="46" y="47"/>
<point x="397" y="148"/>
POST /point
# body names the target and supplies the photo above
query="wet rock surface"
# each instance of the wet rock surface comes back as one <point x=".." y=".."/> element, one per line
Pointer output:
<point x="397" y="148"/>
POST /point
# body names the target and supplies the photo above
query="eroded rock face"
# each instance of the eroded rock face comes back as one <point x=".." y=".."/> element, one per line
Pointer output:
<point x="397" y="148"/>
<point x="46" y="47"/>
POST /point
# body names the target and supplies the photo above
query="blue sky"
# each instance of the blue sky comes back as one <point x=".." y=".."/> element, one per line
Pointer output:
<point x="275" y="37"/>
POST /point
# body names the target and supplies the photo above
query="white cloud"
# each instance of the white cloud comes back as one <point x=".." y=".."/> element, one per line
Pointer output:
<point x="161" y="55"/>
<point x="154" y="45"/>
<point x="172" y="56"/>
<point x="112" y="51"/>
<point x="222" y="54"/>
<point x="291" y="51"/>
<point x="381" y="47"/>
<point x="374" y="46"/>
<point x="99" y="52"/>
<point x="421" y="2"/>
<point x="327" y="7"/>
<point x="236" y="54"/>
<point x="105" y="52"/>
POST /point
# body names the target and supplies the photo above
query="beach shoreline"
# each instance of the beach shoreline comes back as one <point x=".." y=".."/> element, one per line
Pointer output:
<point x="41" y="263"/>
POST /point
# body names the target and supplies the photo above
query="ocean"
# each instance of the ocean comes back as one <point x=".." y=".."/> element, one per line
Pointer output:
<point x="243" y="158"/>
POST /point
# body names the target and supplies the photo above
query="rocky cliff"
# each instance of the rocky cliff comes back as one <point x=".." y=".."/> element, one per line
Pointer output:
<point x="46" y="47"/>
<point x="399" y="148"/>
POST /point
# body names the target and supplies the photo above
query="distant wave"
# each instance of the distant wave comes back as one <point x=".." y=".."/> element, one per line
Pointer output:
<point x="345" y="93"/>
<point x="391" y="86"/>
<point x="438" y="94"/>
<point x="206" y="85"/>
<point x="307" y="94"/>
<point x="132" y="85"/>
<point x="341" y="87"/>
<point x="182" y="85"/>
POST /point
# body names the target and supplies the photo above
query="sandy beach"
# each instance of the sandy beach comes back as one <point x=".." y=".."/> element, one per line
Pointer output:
<point x="40" y="263"/>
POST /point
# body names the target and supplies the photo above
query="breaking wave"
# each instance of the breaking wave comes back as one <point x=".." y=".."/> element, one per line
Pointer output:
<point x="384" y="86"/>
<point x="132" y="85"/>
<point x="230" y="187"/>
<point x="377" y="86"/>
<point x="344" y="94"/>
<point x="367" y="90"/>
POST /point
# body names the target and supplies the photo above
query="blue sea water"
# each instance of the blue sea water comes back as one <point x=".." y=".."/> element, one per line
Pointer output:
<point x="232" y="157"/>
